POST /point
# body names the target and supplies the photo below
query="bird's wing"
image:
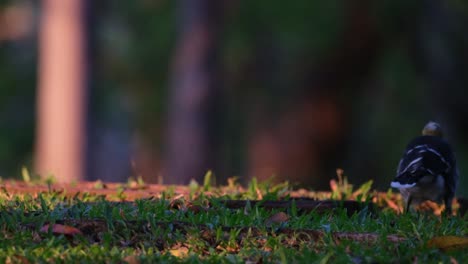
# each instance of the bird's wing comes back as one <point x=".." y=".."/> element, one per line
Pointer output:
<point x="419" y="161"/>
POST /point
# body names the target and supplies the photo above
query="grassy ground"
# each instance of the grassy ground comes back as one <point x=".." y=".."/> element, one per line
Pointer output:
<point x="199" y="226"/>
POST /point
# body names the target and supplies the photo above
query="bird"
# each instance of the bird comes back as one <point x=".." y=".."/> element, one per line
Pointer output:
<point x="428" y="169"/>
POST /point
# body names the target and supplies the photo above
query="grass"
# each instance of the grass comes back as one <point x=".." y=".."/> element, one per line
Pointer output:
<point x="199" y="228"/>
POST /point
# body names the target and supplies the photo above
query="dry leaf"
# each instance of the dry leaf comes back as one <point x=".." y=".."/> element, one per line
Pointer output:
<point x="447" y="243"/>
<point x="430" y="206"/>
<point x="233" y="249"/>
<point x="178" y="204"/>
<point x="61" y="229"/>
<point x="259" y="194"/>
<point x="132" y="259"/>
<point x="277" y="218"/>
<point x="393" y="205"/>
<point x="195" y="208"/>
<point x="179" y="252"/>
<point x="18" y="259"/>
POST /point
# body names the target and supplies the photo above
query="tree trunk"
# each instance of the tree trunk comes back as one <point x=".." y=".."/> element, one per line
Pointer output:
<point x="60" y="139"/>
<point x="194" y="87"/>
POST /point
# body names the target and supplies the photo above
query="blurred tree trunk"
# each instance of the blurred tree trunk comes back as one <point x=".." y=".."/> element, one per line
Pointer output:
<point x="440" y="48"/>
<point x="307" y="141"/>
<point x="61" y="101"/>
<point x="193" y="104"/>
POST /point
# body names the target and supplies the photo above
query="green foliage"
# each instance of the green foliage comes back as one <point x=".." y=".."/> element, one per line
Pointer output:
<point x="208" y="181"/>
<point x="343" y="190"/>
<point x="25" y="174"/>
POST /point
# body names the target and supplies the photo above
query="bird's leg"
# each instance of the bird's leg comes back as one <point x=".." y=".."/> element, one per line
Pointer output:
<point x="408" y="203"/>
<point x="448" y="206"/>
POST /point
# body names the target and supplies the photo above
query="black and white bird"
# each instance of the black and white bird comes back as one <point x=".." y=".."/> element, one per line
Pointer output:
<point x="428" y="169"/>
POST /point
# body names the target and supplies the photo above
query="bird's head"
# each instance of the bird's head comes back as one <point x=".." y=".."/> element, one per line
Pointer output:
<point x="432" y="129"/>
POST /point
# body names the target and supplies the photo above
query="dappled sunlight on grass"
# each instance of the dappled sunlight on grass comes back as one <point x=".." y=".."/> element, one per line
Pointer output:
<point x="262" y="222"/>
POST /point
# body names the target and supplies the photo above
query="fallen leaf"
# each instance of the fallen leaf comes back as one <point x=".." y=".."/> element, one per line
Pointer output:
<point x="196" y="208"/>
<point x="232" y="249"/>
<point x="19" y="259"/>
<point x="62" y="229"/>
<point x="447" y="243"/>
<point x="277" y="218"/>
<point x="259" y="194"/>
<point x="179" y="252"/>
<point x="132" y="259"/>
<point x="393" y="206"/>
<point x="178" y="204"/>
<point x="430" y="206"/>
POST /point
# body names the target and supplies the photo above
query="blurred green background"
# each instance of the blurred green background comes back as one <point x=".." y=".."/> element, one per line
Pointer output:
<point x="301" y="88"/>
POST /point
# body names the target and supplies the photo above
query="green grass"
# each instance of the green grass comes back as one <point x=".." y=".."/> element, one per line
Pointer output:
<point x="202" y="230"/>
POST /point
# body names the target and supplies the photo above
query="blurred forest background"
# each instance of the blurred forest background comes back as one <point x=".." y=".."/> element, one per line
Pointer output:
<point x="169" y="89"/>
